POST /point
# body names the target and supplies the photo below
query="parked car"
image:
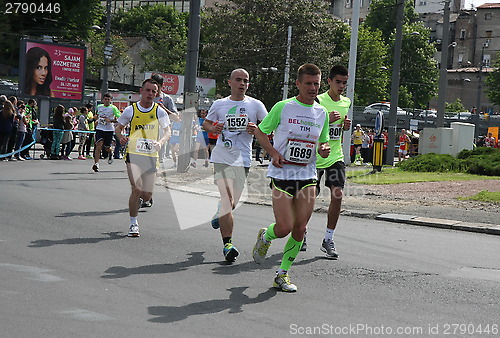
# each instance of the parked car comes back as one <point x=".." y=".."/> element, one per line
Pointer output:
<point x="384" y="107"/>
<point x="462" y="116"/>
<point x="429" y="114"/>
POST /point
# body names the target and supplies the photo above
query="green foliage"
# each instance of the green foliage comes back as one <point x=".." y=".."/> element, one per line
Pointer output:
<point x="493" y="82"/>
<point x="456" y="106"/>
<point x="418" y="70"/>
<point x="431" y="163"/>
<point x="485" y="196"/>
<point x="253" y="35"/>
<point x="480" y="161"/>
<point x="371" y="80"/>
<point x="166" y="30"/>
<point x="479" y="151"/>
<point x="382" y="17"/>
<point x="71" y="25"/>
<point x="95" y="52"/>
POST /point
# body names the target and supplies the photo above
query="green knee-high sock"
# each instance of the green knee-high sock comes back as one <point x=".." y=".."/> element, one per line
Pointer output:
<point x="269" y="236"/>
<point x="291" y="250"/>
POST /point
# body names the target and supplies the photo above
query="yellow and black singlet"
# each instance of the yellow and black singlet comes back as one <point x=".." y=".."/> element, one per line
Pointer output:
<point x="144" y="130"/>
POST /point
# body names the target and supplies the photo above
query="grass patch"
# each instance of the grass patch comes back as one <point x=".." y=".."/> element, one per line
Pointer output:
<point x="484" y="196"/>
<point x="396" y="175"/>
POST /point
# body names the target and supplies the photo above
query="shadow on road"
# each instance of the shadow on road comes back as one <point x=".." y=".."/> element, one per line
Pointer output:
<point x="235" y="302"/>
<point x="41" y="243"/>
<point x="93" y="213"/>
<point x="196" y="258"/>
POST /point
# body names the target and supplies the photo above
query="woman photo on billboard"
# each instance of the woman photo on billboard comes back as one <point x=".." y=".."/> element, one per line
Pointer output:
<point x="38" y="74"/>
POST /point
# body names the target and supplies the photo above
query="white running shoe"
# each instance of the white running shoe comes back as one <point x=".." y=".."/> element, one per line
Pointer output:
<point x="134" y="231"/>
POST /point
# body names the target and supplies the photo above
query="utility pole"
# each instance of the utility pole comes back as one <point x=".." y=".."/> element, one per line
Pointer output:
<point x="287" y="63"/>
<point x="353" y="50"/>
<point x="108" y="49"/>
<point x="475" y="118"/>
<point x="391" y="127"/>
<point x="190" y="94"/>
<point x="443" y="69"/>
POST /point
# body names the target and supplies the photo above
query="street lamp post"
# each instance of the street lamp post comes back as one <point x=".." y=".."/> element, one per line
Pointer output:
<point x="108" y="49"/>
<point x="391" y="127"/>
<point x="443" y="69"/>
<point x="479" y="88"/>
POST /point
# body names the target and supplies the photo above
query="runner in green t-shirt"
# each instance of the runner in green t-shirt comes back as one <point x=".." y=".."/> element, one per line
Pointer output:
<point x="333" y="167"/>
<point x="300" y="127"/>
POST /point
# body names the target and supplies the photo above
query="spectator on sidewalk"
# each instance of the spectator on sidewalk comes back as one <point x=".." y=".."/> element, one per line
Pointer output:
<point x="91" y="120"/>
<point x="32" y="118"/>
<point x="83" y="125"/>
<point x="21" y="131"/>
<point x="7" y="116"/>
<point x="57" y="133"/>
<point x="201" y="139"/>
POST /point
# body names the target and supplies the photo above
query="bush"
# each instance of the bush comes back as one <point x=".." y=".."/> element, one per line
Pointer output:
<point x="477" y="151"/>
<point x="431" y="163"/>
<point x="480" y="161"/>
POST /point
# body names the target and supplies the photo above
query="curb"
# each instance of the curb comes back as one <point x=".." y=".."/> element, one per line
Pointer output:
<point x="484" y="228"/>
<point x="441" y="223"/>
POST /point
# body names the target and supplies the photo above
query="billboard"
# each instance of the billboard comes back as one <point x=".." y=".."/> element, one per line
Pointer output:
<point x="174" y="85"/>
<point x="52" y="70"/>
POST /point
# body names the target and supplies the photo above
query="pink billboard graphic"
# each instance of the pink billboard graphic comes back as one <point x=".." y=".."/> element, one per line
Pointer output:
<point x="54" y="70"/>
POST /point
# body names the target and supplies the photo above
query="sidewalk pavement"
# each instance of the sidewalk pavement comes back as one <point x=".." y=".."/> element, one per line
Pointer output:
<point x="200" y="181"/>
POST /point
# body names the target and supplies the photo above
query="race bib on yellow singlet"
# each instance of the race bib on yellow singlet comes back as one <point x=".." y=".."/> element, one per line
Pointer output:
<point x="145" y="146"/>
<point x="335" y="131"/>
<point x="236" y="122"/>
<point x="299" y="152"/>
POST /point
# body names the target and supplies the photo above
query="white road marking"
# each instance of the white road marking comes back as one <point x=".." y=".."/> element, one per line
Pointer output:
<point x="37" y="274"/>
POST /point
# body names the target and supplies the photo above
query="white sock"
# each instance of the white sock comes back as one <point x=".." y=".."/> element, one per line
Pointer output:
<point x="329" y="234"/>
<point x="133" y="221"/>
<point x="282" y="272"/>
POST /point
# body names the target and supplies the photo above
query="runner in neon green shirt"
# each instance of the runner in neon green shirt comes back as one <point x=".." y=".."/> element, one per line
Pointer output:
<point x="300" y="126"/>
<point x="333" y="167"/>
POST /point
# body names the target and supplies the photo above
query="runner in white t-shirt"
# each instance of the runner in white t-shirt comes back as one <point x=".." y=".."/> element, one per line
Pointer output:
<point x="107" y="114"/>
<point x="300" y="128"/>
<point x="235" y="119"/>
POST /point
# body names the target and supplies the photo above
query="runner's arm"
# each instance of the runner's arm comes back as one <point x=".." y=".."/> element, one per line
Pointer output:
<point x="264" y="142"/>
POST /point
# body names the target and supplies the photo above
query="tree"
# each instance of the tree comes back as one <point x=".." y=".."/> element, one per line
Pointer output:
<point x="71" y="22"/>
<point x="382" y="17"/>
<point x="166" y="30"/>
<point x="372" y="77"/>
<point x="456" y="106"/>
<point x="418" y="71"/>
<point x="253" y="35"/>
<point x="493" y="82"/>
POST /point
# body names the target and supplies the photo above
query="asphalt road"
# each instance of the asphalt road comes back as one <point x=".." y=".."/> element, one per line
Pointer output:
<point x="67" y="269"/>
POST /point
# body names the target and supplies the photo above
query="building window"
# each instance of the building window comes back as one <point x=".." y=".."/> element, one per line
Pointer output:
<point x="486" y="60"/>
<point x="462" y="34"/>
<point x="423" y="3"/>
<point x="487" y="16"/>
